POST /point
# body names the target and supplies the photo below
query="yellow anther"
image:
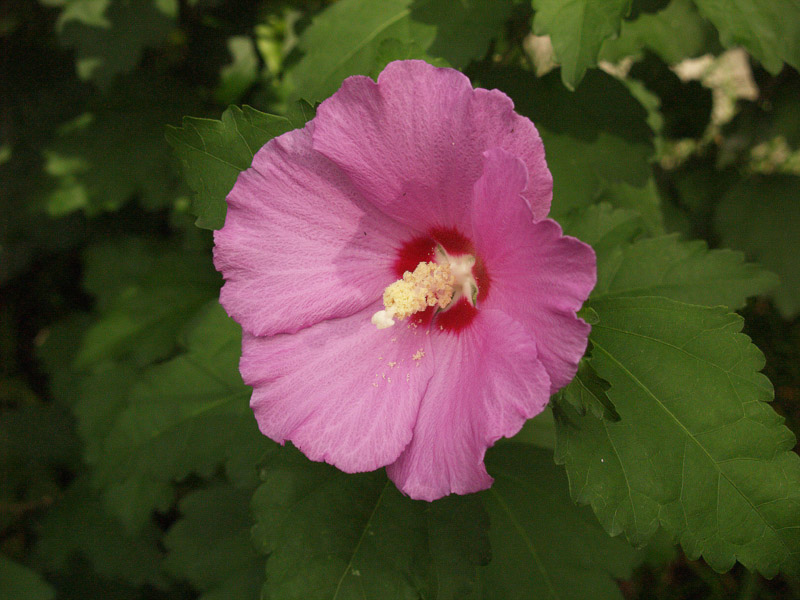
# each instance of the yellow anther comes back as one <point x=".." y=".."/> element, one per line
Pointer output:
<point x="430" y="284"/>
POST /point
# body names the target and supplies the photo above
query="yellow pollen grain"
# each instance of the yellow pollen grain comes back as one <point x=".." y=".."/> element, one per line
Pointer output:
<point x="430" y="284"/>
<point x="393" y="363"/>
<point x="418" y="354"/>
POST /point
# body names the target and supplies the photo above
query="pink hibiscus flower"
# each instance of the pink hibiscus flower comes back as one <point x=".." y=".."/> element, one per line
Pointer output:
<point x="405" y="302"/>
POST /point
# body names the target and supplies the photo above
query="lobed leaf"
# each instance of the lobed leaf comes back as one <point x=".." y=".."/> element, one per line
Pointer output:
<point x="603" y="227"/>
<point x="187" y="415"/>
<point x="697" y="450"/>
<point x="213" y="154"/>
<point x="588" y="392"/>
<point x="685" y="271"/>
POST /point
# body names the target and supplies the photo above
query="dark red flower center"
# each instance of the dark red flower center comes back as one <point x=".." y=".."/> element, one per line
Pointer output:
<point x="421" y="249"/>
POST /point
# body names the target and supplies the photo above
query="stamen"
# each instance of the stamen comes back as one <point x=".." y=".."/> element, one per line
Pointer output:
<point x="430" y="284"/>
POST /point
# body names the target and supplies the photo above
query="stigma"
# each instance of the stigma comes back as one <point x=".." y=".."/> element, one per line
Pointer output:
<point x="440" y="284"/>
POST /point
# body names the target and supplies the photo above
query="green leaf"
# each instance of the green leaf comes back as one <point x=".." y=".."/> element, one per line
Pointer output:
<point x="577" y="29"/>
<point x="299" y="113"/>
<point x="593" y="137"/>
<point x="697" y="450"/>
<point x="88" y="12"/>
<point x="684" y="271"/>
<point x="543" y="546"/>
<point x="674" y="33"/>
<point x="56" y="354"/>
<point x="602" y="226"/>
<point x="210" y="545"/>
<point x="643" y="199"/>
<point x="145" y="304"/>
<point x="346" y="38"/>
<point x="242" y="72"/>
<point x="392" y="49"/>
<point x="78" y="524"/>
<point x="213" y="154"/>
<point x="18" y="581"/>
<point x="761" y="216"/>
<point x="457" y="541"/>
<point x="767" y="28"/>
<point x="539" y="431"/>
<point x="37" y="446"/>
<point x="333" y="535"/>
<point x="188" y="415"/>
<point x="102" y="397"/>
<point x="116" y="152"/>
<point x="111" y="42"/>
<point x="589" y="392"/>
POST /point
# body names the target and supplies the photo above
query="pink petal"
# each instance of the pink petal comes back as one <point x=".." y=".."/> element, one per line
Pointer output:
<point x="299" y="244"/>
<point x="487" y="382"/>
<point x="342" y="391"/>
<point x="413" y="143"/>
<point x="539" y="277"/>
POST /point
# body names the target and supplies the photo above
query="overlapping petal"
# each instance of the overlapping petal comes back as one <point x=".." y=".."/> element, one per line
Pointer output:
<point x="320" y="225"/>
<point x="539" y="276"/>
<point x="413" y="143"/>
<point x="342" y="391"/>
<point x="487" y="382"/>
<point x="299" y="244"/>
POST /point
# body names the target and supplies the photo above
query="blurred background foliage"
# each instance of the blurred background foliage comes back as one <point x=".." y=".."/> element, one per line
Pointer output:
<point x="127" y="470"/>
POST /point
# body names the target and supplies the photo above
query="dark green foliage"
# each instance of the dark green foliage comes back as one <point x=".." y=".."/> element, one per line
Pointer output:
<point x="686" y="106"/>
<point x="111" y="41"/>
<point x="210" y="545"/>
<point x="131" y="465"/>
<point x="761" y="217"/>
<point x="332" y="535"/>
<point x="17" y="581"/>
<point x="535" y="533"/>
<point x="115" y="150"/>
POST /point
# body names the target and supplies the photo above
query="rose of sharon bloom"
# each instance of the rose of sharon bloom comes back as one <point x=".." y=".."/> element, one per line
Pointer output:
<point x="404" y="301"/>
